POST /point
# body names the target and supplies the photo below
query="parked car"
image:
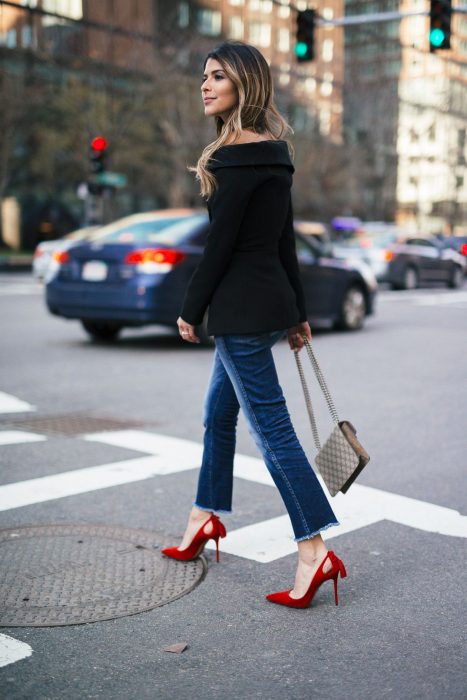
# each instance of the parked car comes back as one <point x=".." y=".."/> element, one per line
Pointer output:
<point x="134" y="272"/>
<point x="405" y="262"/>
<point x="43" y="255"/>
<point x="458" y="243"/>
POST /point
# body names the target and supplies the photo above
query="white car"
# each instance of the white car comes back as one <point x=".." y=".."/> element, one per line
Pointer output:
<point x="43" y="255"/>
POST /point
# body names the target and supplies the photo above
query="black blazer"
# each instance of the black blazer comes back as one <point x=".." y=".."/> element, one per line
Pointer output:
<point x="248" y="275"/>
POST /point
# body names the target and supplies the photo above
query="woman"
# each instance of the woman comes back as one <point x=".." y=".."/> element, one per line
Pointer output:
<point x="249" y="278"/>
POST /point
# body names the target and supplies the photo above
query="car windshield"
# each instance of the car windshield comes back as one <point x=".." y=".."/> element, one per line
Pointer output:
<point x="163" y="231"/>
<point x="368" y="239"/>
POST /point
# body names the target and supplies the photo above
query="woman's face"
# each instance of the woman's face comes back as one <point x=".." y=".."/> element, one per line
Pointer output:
<point x="218" y="91"/>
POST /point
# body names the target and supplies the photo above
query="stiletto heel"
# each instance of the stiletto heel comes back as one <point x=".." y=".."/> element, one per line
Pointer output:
<point x="336" y="597"/>
<point x="337" y="567"/>
<point x="199" y="541"/>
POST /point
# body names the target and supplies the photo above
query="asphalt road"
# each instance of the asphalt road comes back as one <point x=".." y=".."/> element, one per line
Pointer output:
<point x="399" y="630"/>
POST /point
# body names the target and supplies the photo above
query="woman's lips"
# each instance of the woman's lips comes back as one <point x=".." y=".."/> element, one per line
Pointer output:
<point x="206" y="100"/>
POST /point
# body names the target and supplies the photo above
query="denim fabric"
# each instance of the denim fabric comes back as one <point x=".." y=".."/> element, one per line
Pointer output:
<point x="244" y="375"/>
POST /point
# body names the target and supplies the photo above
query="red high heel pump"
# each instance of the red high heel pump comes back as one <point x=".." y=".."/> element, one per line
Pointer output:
<point x="283" y="597"/>
<point x="198" y="542"/>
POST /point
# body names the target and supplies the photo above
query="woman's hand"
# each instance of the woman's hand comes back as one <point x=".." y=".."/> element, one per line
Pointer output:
<point x="187" y="331"/>
<point x="295" y="335"/>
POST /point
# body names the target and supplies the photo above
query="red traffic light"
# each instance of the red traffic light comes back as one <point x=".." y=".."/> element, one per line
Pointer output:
<point x="99" y="143"/>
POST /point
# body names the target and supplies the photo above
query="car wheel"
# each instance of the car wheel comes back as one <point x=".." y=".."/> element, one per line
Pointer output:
<point x="456" y="278"/>
<point x="102" y="330"/>
<point x="353" y="309"/>
<point x="410" y="280"/>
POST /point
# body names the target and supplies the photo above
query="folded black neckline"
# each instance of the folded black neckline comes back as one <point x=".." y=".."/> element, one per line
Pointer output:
<point x="267" y="152"/>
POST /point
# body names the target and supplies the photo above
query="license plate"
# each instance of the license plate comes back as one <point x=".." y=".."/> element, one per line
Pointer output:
<point x="94" y="271"/>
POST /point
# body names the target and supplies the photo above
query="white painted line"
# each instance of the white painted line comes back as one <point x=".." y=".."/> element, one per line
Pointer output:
<point x="264" y="541"/>
<point x="361" y="506"/>
<point x="180" y="454"/>
<point x="174" y="454"/>
<point x="11" y="650"/>
<point x="76" y="481"/>
<point x="10" y="404"/>
<point x="13" y="289"/>
<point x="15" y="437"/>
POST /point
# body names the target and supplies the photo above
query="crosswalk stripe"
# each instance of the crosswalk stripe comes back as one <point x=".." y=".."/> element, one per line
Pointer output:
<point x="363" y="505"/>
<point x="15" y="437"/>
<point x="264" y="541"/>
<point x="10" y="404"/>
<point x="12" y="650"/>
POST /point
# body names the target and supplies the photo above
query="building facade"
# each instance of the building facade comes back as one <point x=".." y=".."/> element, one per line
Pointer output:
<point x="408" y="109"/>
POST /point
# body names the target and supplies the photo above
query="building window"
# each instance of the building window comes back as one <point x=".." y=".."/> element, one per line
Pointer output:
<point x="266" y="6"/>
<point x="10" y="39"/>
<point x="255" y="4"/>
<point x="236" y="27"/>
<point x="310" y="84"/>
<point x="327" y="50"/>
<point x="183" y="15"/>
<point x="325" y="122"/>
<point x="260" y="33"/>
<point x="284" y="79"/>
<point x="26" y="36"/>
<point x="68" y="8"/>
<point x="283" y="40"/>
<point x="236" y="2"/>
<point x="209" y="22"/>
<point x="326" y="88"/>
<point x="283" y="11"/>
<point x="302" y="5"/>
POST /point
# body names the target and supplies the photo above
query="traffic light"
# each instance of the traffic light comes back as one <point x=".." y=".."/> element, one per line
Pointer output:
<point x="440" y="25"/>
<point x="305" y="44"/>
<point x="98" y="154"/>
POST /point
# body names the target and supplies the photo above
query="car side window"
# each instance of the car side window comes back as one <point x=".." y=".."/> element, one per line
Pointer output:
<point x="304" y="250"/>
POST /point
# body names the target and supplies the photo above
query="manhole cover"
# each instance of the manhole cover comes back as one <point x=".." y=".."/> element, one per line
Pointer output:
<point x="74" y="424"/>
<point x="71" y="574"/>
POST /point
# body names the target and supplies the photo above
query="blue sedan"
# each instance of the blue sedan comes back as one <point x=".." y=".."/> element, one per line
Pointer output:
<point x="134" y="272"/>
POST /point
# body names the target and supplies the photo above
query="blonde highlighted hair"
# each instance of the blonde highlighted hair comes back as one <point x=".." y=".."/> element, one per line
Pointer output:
<point x="255" y="110"/>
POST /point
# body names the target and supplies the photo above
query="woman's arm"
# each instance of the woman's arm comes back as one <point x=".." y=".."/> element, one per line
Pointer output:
<point x="229" y="202"/>
<point x="288" y="256"/>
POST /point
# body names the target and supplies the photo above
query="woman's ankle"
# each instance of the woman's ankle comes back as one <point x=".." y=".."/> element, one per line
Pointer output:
<point x="200" y="514"/>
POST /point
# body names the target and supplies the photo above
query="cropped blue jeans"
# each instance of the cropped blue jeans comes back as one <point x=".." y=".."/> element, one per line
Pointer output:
<point x="244" y="375"/>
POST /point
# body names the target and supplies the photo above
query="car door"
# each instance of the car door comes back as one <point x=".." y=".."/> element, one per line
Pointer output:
<point x="321" y="282"/>
<point x="426" y="256"/>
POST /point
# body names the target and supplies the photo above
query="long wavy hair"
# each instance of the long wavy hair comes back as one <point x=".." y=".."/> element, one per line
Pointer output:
<point x="255" y="109"/>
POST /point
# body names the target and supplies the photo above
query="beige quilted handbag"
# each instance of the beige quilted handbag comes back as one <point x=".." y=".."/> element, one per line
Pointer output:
<point x="341" y="459"/>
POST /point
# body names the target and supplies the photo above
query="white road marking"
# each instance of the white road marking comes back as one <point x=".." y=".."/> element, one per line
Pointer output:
<point x="361" y="506"/>
<point x="12" y="650"/>
<point x="10" y="404"/>
<point x="76" y="481"/>
<point x="20" y="289"/>
<point x="14" y="437"/>
<point x="441" y="298"/>
<point x="264" y="541"/>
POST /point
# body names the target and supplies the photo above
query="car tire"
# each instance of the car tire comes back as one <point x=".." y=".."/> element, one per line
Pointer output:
<point x="456" y="277"/>
<point x="410" y="279"/>
<point x="353" y="309"/>
<point x="102" y="331"/>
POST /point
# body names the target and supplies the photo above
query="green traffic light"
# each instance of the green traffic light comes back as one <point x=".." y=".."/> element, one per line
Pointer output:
<point x="301" y="49"/>
<point x="437" y="37"/>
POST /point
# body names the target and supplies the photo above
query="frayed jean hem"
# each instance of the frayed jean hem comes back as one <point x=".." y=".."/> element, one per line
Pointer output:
<point x="313" y="534"/>
<point x="210" y="510"/>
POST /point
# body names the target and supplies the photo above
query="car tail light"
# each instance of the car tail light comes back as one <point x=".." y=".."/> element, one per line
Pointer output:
<point x="464" y="249"/>
<point x="61" y="257"/>
<point x="154" y="260"/>
<point x="388" y="255"/>
<point x="38" y="253"/>
<point x="366" y="243"/>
